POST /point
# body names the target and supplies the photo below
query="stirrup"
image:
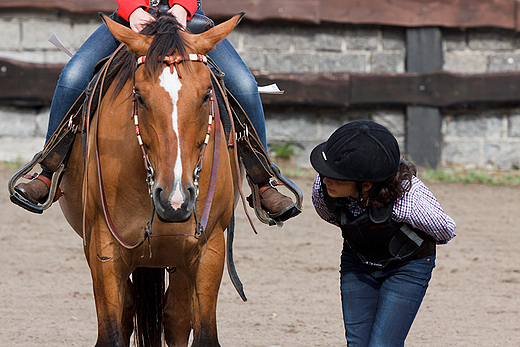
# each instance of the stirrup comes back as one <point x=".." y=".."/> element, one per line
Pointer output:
<point x="264" y="216"/>
<point x="259" y="167"/>
<point x="23" y="202"/>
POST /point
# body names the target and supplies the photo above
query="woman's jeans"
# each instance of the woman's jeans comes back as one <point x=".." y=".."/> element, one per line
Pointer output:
<point x="78" y="72"/>
<point x="379" y="306"/>
<point x="241" y="83"/>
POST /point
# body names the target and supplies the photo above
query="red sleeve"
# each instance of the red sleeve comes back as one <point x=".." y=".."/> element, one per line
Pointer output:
<point x="189" y="5"/>
<point x="126" y="7"/>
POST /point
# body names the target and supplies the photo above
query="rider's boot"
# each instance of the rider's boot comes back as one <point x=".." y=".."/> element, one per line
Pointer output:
<point x="37" y="189"/>
<point x="274" y="202"/>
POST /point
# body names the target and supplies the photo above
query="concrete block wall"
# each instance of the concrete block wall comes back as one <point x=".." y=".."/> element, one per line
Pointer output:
<point x="486" y="137"/>
<point x="24" y="37"/>
<point x="309" y="48"/>
<point x="472" y="138"/>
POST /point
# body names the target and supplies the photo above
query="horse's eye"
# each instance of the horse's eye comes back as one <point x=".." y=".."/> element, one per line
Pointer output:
<point x="139" y="98"/>
<point x="206" y="97"/>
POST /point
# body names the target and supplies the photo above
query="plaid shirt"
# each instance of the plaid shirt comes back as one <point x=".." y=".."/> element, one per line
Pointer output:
<point x="417" y="208"/>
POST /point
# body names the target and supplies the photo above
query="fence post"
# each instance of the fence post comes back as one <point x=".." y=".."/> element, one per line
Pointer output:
<point x="423" y="138"/>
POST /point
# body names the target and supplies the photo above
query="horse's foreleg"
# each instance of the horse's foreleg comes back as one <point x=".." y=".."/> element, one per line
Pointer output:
<point x="204" y="292"/>
<point x="177" y="317"/>
<point x="128" y="312"/>
<point x="109" y="281"/>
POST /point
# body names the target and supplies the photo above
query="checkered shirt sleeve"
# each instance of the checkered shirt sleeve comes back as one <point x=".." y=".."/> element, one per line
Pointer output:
<point x="417" y="207"/>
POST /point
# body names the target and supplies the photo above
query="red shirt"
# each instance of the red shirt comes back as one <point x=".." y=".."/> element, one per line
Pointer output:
<point x="126" y="7"/>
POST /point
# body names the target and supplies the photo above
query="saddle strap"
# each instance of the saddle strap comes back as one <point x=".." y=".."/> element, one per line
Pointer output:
<point x="232" y="144"/>
<point x="214" y="166"/>
<point x="106" y="212"/>
<point x="232" y="271"/>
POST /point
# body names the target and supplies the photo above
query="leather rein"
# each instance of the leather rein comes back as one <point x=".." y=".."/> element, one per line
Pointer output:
<point x="214" y="118"/>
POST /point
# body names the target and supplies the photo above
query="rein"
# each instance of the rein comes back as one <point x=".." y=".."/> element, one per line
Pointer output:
<point x="172" y="62"/>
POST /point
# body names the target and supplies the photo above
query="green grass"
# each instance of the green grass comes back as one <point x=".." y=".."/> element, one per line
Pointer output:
<point x="12" y="165"/>
<point x="282" y="150"/>
<point x="450" y="175"/>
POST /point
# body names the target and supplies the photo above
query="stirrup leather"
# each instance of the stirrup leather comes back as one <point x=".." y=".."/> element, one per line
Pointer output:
<point x="53" y="157"/>
<point x="259" y="168"/>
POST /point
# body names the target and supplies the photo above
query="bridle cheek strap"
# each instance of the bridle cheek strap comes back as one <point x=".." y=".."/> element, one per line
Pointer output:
<point x="214" y="165"/>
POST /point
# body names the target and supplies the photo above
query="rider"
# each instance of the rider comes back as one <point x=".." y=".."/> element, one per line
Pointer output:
<point x="78" y="72"/>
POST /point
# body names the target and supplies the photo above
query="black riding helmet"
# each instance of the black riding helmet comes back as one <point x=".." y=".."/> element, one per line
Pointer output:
<point x="359" y="151"/>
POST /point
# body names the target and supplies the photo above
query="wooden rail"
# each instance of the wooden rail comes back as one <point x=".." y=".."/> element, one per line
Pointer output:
<point x="435" y="89"/>
<point x="27" y="84"/>
<point x="406" y="13"/>
<point x="33" y="84"/>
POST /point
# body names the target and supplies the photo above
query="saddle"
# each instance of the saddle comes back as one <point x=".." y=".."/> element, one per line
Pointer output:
<point x="254" y="157"/>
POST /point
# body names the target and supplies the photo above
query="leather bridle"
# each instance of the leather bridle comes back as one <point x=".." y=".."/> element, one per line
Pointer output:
<point x="214" y="118"/>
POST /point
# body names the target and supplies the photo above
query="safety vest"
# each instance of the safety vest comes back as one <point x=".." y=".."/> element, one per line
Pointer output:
<point x="378" y="241"/>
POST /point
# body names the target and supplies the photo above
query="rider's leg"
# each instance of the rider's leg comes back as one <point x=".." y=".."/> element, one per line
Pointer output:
<point x="242" y="84"/>
<point x="74" y="78"/>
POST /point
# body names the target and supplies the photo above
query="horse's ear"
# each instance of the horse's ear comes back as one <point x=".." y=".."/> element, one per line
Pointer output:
<point x="206" y="41"/>
<point x="135" y="42"/>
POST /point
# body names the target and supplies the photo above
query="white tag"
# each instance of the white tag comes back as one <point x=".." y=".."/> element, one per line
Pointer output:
<point x="270" y="89"/>
<point x="56" y="42"/>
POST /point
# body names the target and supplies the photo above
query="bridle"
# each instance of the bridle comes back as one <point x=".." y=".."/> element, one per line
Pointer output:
<point x="213" y="118"/>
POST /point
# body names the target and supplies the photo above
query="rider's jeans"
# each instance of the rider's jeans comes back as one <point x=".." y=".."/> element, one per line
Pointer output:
<point x="78" y="72"/>
<point x="241" y="83"/>
<point x="379" y="306"/>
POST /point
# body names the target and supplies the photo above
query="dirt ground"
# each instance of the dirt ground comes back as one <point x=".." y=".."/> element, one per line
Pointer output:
<point x="290" y="276"/>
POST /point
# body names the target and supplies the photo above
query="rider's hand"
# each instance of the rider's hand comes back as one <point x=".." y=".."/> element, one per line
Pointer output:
<point x="180" y="14"/>
<point x="139" y="18"/>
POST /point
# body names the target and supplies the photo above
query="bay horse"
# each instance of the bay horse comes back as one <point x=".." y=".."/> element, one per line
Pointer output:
<point x="160" y="110"/>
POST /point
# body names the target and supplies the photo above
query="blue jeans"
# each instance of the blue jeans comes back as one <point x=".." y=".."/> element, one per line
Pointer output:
<point x="241" y="83"/>
<point x="78" y="72"/>
<point x="379" y="306"/>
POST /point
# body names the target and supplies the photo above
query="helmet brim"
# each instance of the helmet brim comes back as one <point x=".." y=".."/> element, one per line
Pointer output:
<point x="323" y="166"/>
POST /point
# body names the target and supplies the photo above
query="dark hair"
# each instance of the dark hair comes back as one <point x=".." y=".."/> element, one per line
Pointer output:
<point x="167" y="38"/>
<point x="394" y="187"/>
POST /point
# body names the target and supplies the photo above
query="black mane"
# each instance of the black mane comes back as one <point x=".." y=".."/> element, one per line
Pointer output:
<point x="167" y="39"/>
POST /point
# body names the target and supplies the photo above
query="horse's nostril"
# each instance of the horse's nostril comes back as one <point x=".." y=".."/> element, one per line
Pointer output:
<point x="159" y="195"/>
<point x="192" y="192"/>
<point x="157" y="192"/>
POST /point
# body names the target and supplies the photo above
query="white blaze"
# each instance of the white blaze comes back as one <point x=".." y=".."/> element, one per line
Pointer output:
<point x="172" y="84"/>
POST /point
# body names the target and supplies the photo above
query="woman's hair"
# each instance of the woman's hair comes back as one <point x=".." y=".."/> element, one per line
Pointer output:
<point x="394" y="187"/>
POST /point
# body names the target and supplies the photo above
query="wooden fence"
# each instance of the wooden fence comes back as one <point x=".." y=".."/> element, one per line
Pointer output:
<point x="422" y="89"/>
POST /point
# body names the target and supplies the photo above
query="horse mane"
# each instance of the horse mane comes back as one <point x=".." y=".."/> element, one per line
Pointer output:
<point x="167" y="38"/>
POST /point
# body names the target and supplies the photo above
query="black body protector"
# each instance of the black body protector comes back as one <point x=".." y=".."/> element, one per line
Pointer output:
<point x="378" y="241"/>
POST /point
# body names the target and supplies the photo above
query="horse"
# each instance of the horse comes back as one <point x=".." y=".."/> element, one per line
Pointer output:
<point x="154" y="148"/>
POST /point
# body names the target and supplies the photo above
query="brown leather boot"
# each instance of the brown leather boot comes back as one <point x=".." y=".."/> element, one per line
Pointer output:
<point x="36" y="190"/>
<point x="274" y="202"/>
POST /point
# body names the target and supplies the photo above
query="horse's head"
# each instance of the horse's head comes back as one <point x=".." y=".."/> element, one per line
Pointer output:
<point x="172" y="94"/>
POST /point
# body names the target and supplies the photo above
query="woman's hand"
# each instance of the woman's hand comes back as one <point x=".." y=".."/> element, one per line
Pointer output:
<point x="180" y="14"/>
<point x="139" y="18"/>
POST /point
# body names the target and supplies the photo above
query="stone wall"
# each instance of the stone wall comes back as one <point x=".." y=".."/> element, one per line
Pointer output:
<point x="487" y="137"/>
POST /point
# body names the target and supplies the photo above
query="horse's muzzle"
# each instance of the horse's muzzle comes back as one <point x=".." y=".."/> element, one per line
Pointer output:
<point x="165" y="206"/>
